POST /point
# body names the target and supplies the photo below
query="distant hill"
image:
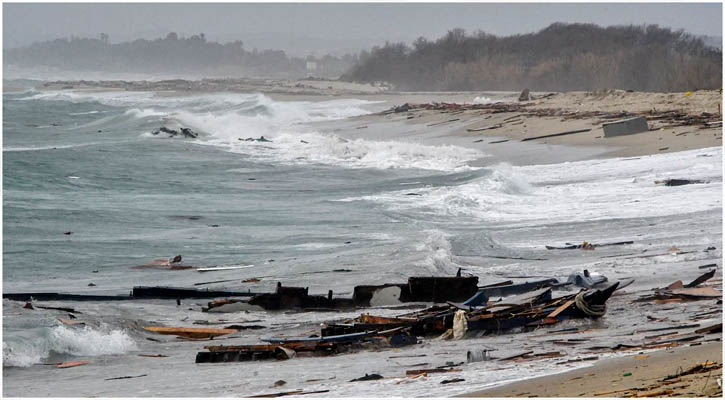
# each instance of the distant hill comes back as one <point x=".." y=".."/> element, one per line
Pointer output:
<point x="172" y="54"/>
<point x="558" y="58"/>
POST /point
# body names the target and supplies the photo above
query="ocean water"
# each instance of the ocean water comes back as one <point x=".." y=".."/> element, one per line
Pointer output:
<point x="309" y="201"/>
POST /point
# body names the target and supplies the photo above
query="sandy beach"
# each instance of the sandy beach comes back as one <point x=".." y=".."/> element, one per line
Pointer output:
<point x="465" y="128"/>
<point x="640" y="375"/>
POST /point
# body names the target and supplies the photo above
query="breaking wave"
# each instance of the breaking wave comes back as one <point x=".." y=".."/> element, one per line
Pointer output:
<point x="32" y="346"/>
<point x="439" y="259"/>
<point x="571" y="192"/>
<point x="235" y="121"/>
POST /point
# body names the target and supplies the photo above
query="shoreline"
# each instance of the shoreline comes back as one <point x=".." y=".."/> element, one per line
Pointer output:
<point x="490" y="132"/>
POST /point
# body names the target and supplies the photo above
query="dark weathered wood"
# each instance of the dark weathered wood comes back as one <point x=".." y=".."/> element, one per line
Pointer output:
<point x="442" y="289"/>
<point x="517" y="355"/>
<point x="430" y="371"/>
<point x="700" y="279"/>
<point x="485" y="128"/>
<point x="710" y="329"/>
<point x="45" y="296"/>
<point x="444" y="122"/>
<point x="556" y="134"/>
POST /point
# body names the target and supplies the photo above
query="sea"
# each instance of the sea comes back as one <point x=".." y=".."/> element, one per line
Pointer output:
<point x="293" y="191"/>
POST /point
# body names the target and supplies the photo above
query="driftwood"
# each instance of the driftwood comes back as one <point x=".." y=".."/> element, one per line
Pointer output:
<point x="555" y="134"/>
<point x="485" y="128"/>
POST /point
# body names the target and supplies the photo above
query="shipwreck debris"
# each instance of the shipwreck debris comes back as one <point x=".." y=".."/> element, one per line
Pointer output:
<point x="680" y="182"/>
<point x="627" y="126"/>
<point x="191" y="333"/>
<point x="587" y="245"/>
<point x="370" y="377"/>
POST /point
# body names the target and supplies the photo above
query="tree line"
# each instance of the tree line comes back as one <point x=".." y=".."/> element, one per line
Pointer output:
<point x="172" y="54"/>
<point x="560" y="57"/>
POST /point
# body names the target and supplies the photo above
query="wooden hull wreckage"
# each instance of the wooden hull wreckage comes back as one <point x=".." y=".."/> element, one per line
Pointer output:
<point x="523" y="312"/>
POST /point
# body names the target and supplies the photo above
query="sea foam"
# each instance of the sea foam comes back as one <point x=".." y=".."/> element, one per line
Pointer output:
<point x="229" y="119"/>
<point x="37" y="344"/>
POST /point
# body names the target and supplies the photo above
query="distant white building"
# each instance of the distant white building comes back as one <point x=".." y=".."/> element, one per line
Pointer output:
<point x="311" y="67"/>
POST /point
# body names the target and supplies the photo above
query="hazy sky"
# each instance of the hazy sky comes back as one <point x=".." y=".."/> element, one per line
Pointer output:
<point x="304" y="28"/>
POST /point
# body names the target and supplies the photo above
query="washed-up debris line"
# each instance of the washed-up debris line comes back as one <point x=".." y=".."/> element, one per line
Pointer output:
<point x="671" y="118"/>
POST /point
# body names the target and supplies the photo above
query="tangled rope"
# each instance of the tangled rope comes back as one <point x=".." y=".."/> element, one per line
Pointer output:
<point x="592" y="310"/>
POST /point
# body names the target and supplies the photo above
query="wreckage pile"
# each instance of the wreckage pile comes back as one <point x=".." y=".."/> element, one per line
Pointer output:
<point x="461" y="309"/>
<point x="475" y="316"/>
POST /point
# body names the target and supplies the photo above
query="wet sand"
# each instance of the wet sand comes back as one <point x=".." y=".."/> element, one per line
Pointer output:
<point x="629" y="376"/>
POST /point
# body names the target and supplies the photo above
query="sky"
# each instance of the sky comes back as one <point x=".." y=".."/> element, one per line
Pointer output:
<point x="337" y="28"/>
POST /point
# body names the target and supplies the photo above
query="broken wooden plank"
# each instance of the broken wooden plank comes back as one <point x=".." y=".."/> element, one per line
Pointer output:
<point x="484" y="128"/>
<point x="669" y="328"/>
<point x="126" y="377"/>
<point x="560" y="309"/>
<point x="710" y="329"/>
<point x="293" y="393"/>
<point x="444" y="122"/>
<point x="700" y="279"/>
<point x="71" y="364"/>
<point x="556" y="134"/>
<point x="697" y="293"/>
<point x="193" y="333"/>
<point x="430" y="371"/>
<point x="516" y="355"/>
<point x="65" y="309"/>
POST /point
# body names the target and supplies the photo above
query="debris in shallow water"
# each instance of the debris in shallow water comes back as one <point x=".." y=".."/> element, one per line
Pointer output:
<point x="430" y="371"/>
<point x="447" y="381"/>
<point x="679" y="182"/>
<point x="586" y="280"/>
<point x="71" y="364"/>
<point x="370" y="377"/>
<point x="126" y="377"/>
<point x="586" y="245"/>
<point x="477" y="355"/>
<point x="66" y="309"/>
<point x="293" y="393"/>
<point x="192" y="333"/>
<point x="185" y="132"/>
